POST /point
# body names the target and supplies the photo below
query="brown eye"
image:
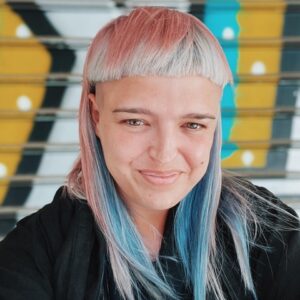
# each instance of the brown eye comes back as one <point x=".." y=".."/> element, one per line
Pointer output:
<point x="135" y="122"/>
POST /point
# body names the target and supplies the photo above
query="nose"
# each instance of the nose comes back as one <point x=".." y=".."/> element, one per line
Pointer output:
<point x="164" y="146"/>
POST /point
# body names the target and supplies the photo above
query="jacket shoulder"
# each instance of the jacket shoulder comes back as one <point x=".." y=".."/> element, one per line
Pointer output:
<point x="275" y="248"/>
<point x="276" y="258"/>
<point x="29" y="251"/>
<point x="52" y="221"/>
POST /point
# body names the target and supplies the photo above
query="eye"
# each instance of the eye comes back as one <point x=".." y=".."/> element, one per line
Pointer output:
<point x="134" y="122"/>
<point x="194" y="126"/>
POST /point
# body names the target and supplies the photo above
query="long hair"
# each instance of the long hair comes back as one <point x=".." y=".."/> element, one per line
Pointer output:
<point x="160" y="42"/>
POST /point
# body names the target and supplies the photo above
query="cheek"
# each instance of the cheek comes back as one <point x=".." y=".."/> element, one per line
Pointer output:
<point x="121" y="148"/>
<point x="198" y="153"/>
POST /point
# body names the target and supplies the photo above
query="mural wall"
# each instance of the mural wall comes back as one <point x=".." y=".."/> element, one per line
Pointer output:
<point x="43" y="45"/>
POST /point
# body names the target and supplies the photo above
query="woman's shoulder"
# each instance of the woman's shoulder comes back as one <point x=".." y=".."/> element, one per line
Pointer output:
<point x="258" y="200"/>
<point x="269" y="218"/>
<point x="29" y="254"/>
<point x="56" y="216"/>
<point x="276" y="256"/>
<point x="272" y="212"/>
<point x="274" y="238"/>
<point x="45" y="230"/>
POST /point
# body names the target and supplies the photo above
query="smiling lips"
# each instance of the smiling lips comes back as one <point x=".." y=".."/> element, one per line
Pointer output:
<point x="160" y="178"/>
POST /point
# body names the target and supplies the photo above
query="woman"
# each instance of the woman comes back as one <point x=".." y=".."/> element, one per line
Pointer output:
<point x="147" y="212"/>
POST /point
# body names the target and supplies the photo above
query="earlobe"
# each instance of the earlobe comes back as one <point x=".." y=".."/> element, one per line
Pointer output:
<point x="94" y="111"/>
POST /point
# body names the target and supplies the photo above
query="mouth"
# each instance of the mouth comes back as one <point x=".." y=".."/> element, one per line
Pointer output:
<point x="160" y="178"/>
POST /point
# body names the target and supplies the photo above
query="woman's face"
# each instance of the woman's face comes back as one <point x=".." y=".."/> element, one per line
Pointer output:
<point x="156" y="134"/>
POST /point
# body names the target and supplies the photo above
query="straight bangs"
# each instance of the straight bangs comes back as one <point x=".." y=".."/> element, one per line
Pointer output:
<point x="156" y="42"/>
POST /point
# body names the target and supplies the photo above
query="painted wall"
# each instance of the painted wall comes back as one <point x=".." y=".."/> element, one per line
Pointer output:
<point x="42" y="48"/>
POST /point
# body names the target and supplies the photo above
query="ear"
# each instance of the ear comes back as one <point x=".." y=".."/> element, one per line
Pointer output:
<point x="95" y="114"/>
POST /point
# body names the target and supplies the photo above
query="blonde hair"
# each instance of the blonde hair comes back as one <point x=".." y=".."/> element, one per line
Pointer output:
<point x="159" y="42"/>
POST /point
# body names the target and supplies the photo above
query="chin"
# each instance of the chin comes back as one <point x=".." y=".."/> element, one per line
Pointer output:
<point x="162" y="204"/>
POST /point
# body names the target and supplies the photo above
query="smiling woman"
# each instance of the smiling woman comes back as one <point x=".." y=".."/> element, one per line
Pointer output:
<point x="166" y="126"/>
<point x="147" y="212"/>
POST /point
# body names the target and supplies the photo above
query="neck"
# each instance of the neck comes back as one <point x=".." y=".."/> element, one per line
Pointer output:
<point x="151" y="227"/>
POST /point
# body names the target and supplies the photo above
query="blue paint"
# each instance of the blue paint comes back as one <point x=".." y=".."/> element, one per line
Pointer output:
<point x="228" y="121"/>
<point x="218" y="16"/>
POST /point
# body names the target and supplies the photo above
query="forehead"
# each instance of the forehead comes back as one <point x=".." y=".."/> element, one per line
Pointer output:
<point x="160" y="92"/>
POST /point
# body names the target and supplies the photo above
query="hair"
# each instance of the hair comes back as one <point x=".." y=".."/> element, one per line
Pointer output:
<point x="161" y="42"/>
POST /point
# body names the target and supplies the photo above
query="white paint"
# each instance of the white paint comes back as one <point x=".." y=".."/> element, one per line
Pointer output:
<point x="180" y="5"/>
<point x="69" y="23"/>
<point x="3" y="170"/>
<point x="57" y="163"/>
<point x="247" y="158"/>
<point x="41" y="194"/>
<point x="293" y="159"/>
<point x="22" y="31"/>
<point x="295" y="132"/>
<point x="280" y="186"/>
<point x="24" y="103"/>
<point x="258" y="68"/>
<point x="80" y="55"/>
<point x="64" y="131"/>
<point x="71" y="99"/>
<point x="228" y="33"/>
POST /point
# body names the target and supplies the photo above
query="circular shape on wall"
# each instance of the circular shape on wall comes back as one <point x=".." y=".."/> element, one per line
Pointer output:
<point x="258" y="68"/>
<point x="23" y="31"/>
<point x="24" y="103"/>
<point x="3" y="170"/>
<point x="247" y="158"/>
<point x="228" y="33"/>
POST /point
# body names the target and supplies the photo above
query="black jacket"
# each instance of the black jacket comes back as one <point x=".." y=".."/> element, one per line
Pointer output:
<point x="58" y="253"/>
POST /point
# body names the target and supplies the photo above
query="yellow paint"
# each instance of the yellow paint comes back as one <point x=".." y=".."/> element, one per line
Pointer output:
<point x="261" y="21"/>
<point x="269" y="56"/>
<point x="248" y="97"/>
<point x="18" y="59"/>
<point x="236" y="160"/>
<point x="256" y="23"/>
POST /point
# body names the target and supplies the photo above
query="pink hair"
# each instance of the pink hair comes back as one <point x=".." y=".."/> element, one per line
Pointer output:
<point x="158" y="42"/>
<point x="148" y="42"/>
<point x="147" y="33"/>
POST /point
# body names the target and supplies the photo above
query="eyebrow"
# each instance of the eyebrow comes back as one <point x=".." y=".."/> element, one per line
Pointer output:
<point x="148" y="112"/>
